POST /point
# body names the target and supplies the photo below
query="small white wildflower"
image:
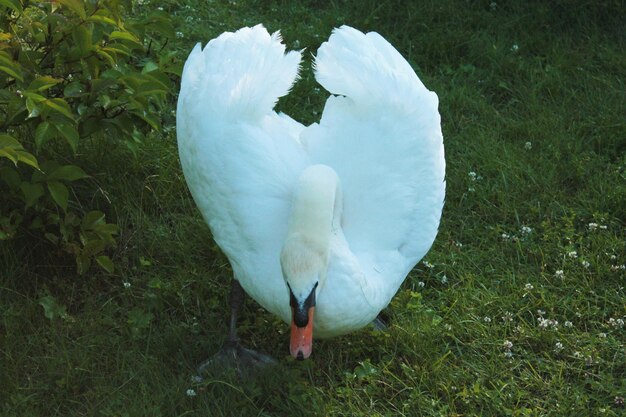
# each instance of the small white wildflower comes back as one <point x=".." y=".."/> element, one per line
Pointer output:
<point x="126" y="285"/>
<point x="585" y="264"/>
<point x="444" y="279"/>
<point x="508" y="354"/>
<point x="559" y="273"/>
<point x="528" y="287"/>
<point x="508" y="345"/>
<point x="525" y="230"/>
<point x="471" y="189"/>
<point x="572" y="254"/>
<point x="296" y="44"/>
<point x="472" y="175"/>
<point x="421" y="284"/>
<point x="603" y="227"/>
<point x="592" y="226"/>
<point x="458" y="244"/>
<point x="487" y="319"/>
<point x="568" y="324"/>
<point x="505" y="236"/>
<point x="515" y="47"/>
<point x="493" y="5"/>
<point x="508" y="316"/>
<point x="528" y="146"/>
<point x="191" y="393"/>
<point x="618" y="267"/>
<point x="160" y="8"/>
<point x="578" y="355"/>
<point x="196" y="379"/>
<point x="428" y="265"/>
<point x="558" y="347"/>
<point x="180" y="35"/>
<point x="613" y="257"/>
<point x="616" y="323"/>
<point x="541" y="312"/>
<point x="448" y="327"/>
<point x="602" y="335"/>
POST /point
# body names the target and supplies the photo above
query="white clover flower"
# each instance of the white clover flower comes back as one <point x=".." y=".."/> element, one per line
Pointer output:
<point x="421" y="284"/>
<point x="602" y="335"/>
<point x="613" y="257"/>
<point x="508" y="354"/>
<point x="505" y="236"/>
<point x="180" y="35"/>
<point x="603" y="227"/>
<point x="487" y="319"/>
<point x="472" y="175"/>
<point x="448" y="327"/>
<point x="458" y="244"/>
<point x="444" y="279"/>
<point x="528" y="287"/>
<point x="541" y="312"/>
<point x="493" y="6"/>
<point x="572" y="254"/>
<point x="507" y="317"/>
<point x="191" y="393"/>
<point x="126" y="285"/>
<point x="616" y="323"/>
<point x="585" y="264"/>
<point x="578" y="355"/>
<point x="508" y="345"/>
<point x="528" y="146"/>
<point x="515" y="47"/>
<point x="428" y="265"/>
<point x="471" y="189"/>
<point x="618" y="267"/>
<point x="592" y="226"/>
<point x="559" y="273"/>
<point x="525" y="230"/>
<point x="558" y="347"/>
<point x="568" y="324"/>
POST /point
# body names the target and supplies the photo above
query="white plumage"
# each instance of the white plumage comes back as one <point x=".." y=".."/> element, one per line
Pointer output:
<point x="380" y="132"/>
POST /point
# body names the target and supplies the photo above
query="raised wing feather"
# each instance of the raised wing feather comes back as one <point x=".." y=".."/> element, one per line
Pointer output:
<point x="239" y="157"/>
<point x="382" y="135"/>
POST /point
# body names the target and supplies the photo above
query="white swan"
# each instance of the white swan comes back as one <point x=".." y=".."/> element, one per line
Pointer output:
<point x="327" y="218"/>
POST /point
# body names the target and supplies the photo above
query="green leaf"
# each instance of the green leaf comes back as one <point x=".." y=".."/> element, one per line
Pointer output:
<point x="102" y="19"/>
<point x="59" y="193"/>
<point x="10" y="154"/>
<point x="44" y="131"/>
<point x="74" y="89"/>
<point x="32" y="192"/>
<point x="126" y="36"/>
<point x="27" y="158"/>
<point x="12" y="72"/>
<point x="8" y="141"/>
<point x="83" y="38"/>
<point x="68" y="173"/>
<point x="70" y="133"/>
<point x="52" y="309"/>
<point x="106" y="263"/>
<point x="76" y="6"/>
<point x="16" y="5"/>
<point x="43" y="83"/>
<point x="59" y="105"/>
<point x="92" y="219"/>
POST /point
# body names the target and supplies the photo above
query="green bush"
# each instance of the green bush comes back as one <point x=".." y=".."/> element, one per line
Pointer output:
<point x="73" y="74"/>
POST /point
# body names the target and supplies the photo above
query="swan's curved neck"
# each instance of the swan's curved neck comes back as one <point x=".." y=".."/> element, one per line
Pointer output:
<point x="316" y="211"/>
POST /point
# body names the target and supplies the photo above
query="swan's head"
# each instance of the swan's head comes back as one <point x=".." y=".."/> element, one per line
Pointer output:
<point x="304" y="262"/>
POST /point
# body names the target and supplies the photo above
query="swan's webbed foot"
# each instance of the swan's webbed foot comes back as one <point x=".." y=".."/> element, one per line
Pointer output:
<point x="379" y="323"/>
<point x="233" y="356"/>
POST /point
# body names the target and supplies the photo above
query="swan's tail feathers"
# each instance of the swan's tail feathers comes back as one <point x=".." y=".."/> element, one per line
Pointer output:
<point x="239" y="75"/>
<point x="368" y="69"/>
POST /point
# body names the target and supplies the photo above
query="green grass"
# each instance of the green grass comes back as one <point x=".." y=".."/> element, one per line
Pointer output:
<point x="472" y="332"/>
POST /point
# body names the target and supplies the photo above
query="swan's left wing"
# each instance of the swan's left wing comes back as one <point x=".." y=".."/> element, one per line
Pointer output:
<point x="381" y="133"/>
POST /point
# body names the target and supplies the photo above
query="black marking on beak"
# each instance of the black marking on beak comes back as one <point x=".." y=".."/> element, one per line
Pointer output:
<point x="300" y="356"/>
<point x="301" y="311"/>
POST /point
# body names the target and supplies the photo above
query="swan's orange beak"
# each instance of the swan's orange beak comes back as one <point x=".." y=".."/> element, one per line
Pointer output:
<point x="301" y="344"/>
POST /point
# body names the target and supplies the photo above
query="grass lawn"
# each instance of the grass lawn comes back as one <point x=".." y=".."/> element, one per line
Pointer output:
<point x="518" y="309"/>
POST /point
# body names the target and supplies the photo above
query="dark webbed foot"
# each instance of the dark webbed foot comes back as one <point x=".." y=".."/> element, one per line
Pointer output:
<point x="233" y="356"/>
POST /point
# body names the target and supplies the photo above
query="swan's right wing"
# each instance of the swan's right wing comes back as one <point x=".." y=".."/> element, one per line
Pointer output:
<point x="381" y="133"/>
<point x="239" y="157"/>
